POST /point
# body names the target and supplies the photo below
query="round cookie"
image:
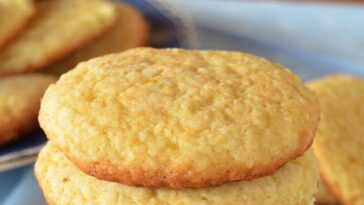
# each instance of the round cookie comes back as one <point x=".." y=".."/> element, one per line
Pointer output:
<point x="293" y="184"/>
<point x="179" y="118"/>
<point x="123" y="35"/>
<point x="19" y="104"/>
<point x="60" y="27"/>
<point x="339" y="140"/>
<point x="14" y="16"/>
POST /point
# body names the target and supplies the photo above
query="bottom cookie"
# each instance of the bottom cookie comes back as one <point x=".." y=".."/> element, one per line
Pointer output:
<point x="62" y="183"/>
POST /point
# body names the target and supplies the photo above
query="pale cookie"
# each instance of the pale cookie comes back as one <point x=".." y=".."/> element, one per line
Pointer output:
<point x="19" y="104"/>
<point x="59" y="27"/>
<point x="14" y="16"/>
<point x="129" y="31"/>
<point x="62" y="183"/>
<point x="339" y="141"/>
<point x="179" y="118"/>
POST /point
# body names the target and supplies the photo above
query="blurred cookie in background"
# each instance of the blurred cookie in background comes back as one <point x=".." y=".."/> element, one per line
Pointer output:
<point x="339" y="139"/>
<point x="19" y="104"/>
<point x="14" y="16"/>
<point x="60" y="27"/>
<point x="324" y="196"/>
<point x="129" y="31"/>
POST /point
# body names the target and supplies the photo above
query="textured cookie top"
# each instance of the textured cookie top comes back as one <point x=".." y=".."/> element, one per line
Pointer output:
<point x="19" y="103"/>
<point x="123" y="35"/>
<point x="179" y="118"/>
<point x="293" y="184"/>
<point x="339" y="141"/>
<point x="14" y="15"/>
<point x="59" y="27"/>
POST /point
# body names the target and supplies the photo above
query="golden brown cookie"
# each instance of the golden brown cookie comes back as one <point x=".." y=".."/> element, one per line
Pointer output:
<point x="19" y="104"/>
<point x="339" y="141"/>
<point x="14" y="16"/>
<point x="62" y="183"/>
<point x="180" y="118"/>
<point x="59" y="27"/>
<point x="129" y="31"/>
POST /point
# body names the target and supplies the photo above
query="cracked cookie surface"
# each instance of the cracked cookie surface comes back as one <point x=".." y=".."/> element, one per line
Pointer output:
<point x="179" y="118"/>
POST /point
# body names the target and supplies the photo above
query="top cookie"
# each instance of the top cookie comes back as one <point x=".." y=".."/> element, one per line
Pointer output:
<point x="179" y="118"/>
<point x="60" y="27"/>
<point x="14" y="15"/>
<point x="123" y="35"/>
<point x="339" y="140"/>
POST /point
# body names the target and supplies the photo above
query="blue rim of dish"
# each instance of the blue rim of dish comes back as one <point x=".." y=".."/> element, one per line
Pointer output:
<point x="169" y="27"/>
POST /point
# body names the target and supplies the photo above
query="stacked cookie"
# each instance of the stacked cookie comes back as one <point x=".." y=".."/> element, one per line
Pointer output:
<point x="53" y="36"/>
<point x="172" y="126"/>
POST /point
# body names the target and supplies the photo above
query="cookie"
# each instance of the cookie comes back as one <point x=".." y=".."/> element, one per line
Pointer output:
<point x="19" y="104"/>
<point x="59" y="27"/>
<point x="179" y="118"/>
<point x="123" y="35"/>
<point x="14" y="16"/>
<point x="293" y="184"/>
<point x="324" y="196"/>
<point x="339" y="139"/>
